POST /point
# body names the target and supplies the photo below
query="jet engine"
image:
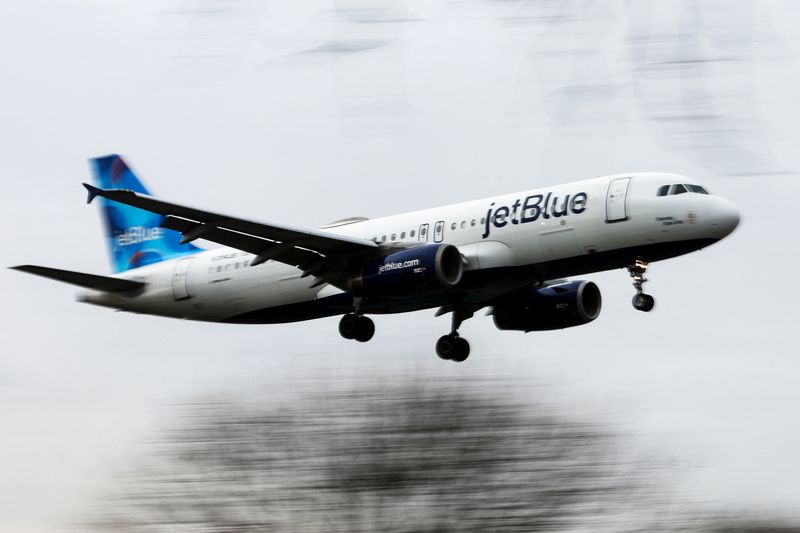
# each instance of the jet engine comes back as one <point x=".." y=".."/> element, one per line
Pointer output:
<point x="553" y="307"/>
<point x="420" y="270"/>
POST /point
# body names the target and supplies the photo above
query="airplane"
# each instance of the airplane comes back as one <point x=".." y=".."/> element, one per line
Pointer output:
<point x="509" y="254"/>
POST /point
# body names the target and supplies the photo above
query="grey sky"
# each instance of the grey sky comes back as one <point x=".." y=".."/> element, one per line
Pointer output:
<point x="308" y="114"/>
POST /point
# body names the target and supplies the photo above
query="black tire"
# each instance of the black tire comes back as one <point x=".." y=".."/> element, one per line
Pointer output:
<point x="365" y="329"/>
<point x="348" y="326"/>
<point x="643" y="302"/>
<point x="462" y="350"/>
<point x="445" y="347"/>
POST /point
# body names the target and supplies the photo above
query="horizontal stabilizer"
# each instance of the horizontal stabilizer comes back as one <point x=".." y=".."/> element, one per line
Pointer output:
<point x="89" y="281"/>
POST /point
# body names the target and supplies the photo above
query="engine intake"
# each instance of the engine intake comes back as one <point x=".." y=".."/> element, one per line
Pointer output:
<point x="423" y="269"/>
<point x="555" y="307"/>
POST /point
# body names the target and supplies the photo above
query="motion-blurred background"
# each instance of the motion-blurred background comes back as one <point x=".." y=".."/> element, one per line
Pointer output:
<point x="306" y="112"/>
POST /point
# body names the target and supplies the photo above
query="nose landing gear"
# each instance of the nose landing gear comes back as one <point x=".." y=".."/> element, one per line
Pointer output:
<point x="641" y="301"/>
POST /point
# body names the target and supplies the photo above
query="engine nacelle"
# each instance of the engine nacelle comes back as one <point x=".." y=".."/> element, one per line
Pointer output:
<point x="555" y="307"/>
<point x="423" y="269"/>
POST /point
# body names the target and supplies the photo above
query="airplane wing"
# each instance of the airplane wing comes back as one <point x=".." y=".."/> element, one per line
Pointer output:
<point x="319" y="253"/>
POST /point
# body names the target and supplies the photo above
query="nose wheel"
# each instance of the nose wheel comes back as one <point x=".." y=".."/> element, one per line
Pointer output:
<point x="357" y="327"/>
<point x="641" y="301"/>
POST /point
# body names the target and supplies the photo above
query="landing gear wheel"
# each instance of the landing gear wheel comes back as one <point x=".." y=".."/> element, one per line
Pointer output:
<point x="462" y="350"/>
<point x="365" y="329"/>
<point x="643" y="302"/>
<point x="353" y="326"/>
<point x="452" y="348"/>
<point x="348" y="326"/>
<point x="445" y="347"/>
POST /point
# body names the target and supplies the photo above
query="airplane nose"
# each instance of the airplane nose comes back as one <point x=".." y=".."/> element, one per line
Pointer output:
<point x="725" y="219"/>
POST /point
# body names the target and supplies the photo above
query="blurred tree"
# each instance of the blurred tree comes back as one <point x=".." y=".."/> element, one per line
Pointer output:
<point x="400" y="457"/>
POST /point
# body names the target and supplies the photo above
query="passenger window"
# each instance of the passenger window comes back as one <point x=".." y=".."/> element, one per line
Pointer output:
<point x="463" y="224"/>
<point x="663" y="190"/>
<point x="219" y="268"/>
<point x="413" y="232"/>
<point x="483" y="221"/>
<point x="403" y="235"/>
<point x="453" y="226"/>
<point x="236" y="266"/>
<point x="394" y="236"/>
<point x="383" y="238"/>
<point x="472" y="223"/>
<point x="228" y="267"/>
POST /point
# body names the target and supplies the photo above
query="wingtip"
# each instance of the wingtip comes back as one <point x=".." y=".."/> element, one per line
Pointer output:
<point x="30" y="269"/>
<point x="93" y="192"/>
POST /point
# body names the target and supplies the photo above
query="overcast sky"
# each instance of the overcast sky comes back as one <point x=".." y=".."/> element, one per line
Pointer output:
<point x="303" y="115"/>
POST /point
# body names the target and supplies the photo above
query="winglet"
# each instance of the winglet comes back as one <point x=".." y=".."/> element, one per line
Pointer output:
<point x="93" y="192"/>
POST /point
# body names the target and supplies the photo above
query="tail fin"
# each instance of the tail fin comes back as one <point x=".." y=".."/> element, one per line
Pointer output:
<point x="135" y="237"/>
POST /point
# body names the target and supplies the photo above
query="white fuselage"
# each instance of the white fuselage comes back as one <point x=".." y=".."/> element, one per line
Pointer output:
<point x="564" y="230"/>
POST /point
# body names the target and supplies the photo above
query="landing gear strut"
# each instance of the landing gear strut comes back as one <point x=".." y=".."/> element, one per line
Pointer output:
<point x="358" y="327"/>
<point x="451" y="346"/>
<point x="641" y="301"/>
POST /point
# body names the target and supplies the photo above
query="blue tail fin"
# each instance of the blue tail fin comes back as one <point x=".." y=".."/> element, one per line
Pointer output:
<point x="135" y="237"/>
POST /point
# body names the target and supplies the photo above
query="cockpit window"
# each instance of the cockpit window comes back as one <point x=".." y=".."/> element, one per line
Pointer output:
<point x="680" y="188"/>
<point x="697" y="189"/>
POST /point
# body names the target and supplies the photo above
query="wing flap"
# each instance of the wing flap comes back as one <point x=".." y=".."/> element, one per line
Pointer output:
<point x="81" y="279"/>
<point x="263" y="248"/>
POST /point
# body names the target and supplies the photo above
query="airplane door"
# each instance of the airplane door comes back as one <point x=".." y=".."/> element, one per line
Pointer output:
<point x="438" y="231"/>
<point x="423" y="232"/>
<point x="616" y="204"/>
<point x="180" y="289"/>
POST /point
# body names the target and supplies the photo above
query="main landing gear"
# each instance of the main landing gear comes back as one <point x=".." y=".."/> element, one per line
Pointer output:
<point x="358" y="327"/>
<point x="641" y="301"/>
<point x="451" y="346"/>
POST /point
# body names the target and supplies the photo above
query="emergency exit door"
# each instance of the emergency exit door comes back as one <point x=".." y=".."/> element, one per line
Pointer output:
<point x="616" y="200"/>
